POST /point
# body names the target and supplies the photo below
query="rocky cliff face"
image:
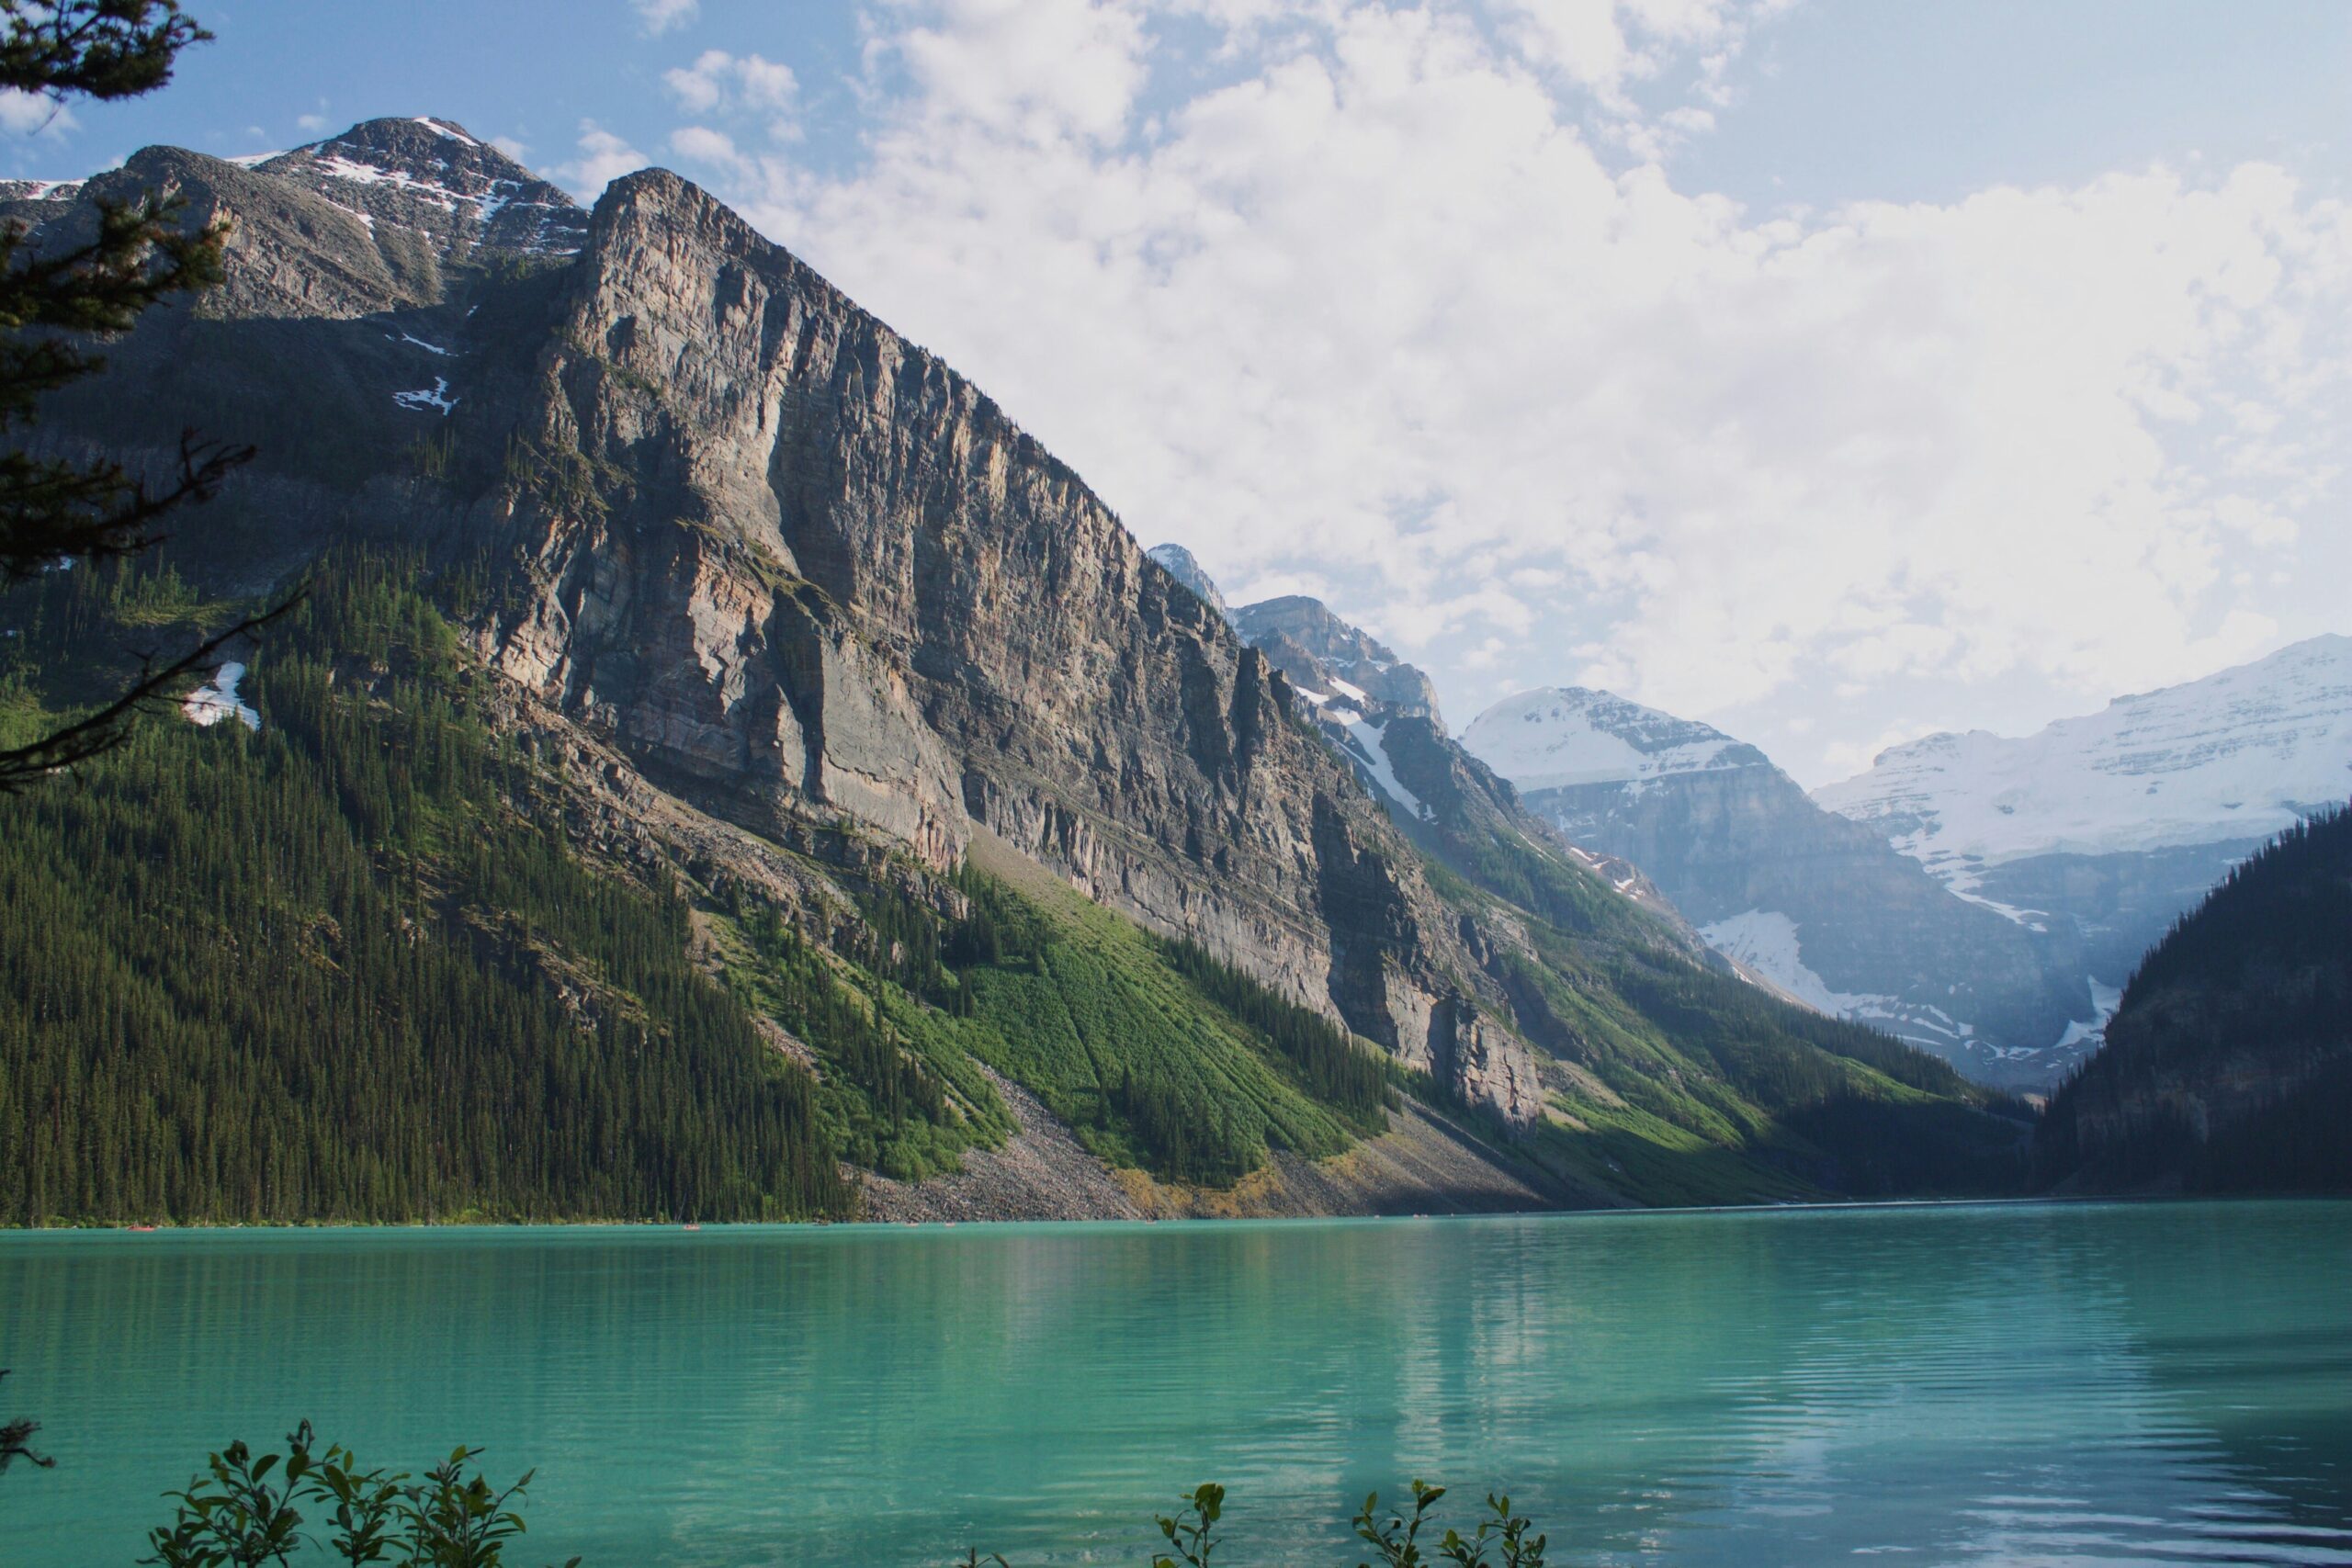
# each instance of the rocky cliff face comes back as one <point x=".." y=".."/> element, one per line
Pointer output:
<point x="1822" y="905"/>
<point x="745" y="555"/>
<point x="805" y="562"/>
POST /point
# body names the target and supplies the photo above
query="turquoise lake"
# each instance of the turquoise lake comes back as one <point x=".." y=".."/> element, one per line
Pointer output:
<point x="1966" y="1384"/>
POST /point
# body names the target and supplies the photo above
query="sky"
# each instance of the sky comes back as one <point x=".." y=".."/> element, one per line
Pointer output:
<point x="1833" y="371"/>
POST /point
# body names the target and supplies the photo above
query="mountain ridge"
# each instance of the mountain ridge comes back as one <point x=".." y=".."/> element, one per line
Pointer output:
<point x="797" y="615"/>
<point x="1820" y="904"/>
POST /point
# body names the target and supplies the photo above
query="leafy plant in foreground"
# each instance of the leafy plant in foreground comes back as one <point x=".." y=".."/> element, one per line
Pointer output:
<point x="1188" y="1532"/>
<point x="1505" y="1533"/>
<point x="1396" y="1540"/>
<point x="247" y="1512"/>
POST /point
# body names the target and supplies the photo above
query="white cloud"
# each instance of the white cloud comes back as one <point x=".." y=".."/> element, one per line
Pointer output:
<point x="31" y="114"/>
<point x="519" y="151"/>
<point x="311" y="123"/>
<point x="658" y="16"/>
<point x="1385" y="308"/>
<point x="700" y="144"/>
<point x="738" y="85"/>
<point x="604" y="158"/>
<point x="1037" y="70"/>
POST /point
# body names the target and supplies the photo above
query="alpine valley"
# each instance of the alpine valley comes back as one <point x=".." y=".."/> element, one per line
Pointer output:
<point x="716" y="766"/>
<point x="1987" y="898"/>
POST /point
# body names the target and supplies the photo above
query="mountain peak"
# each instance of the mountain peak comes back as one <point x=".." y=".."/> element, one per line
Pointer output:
<point x="1561" y="736"/>
<point x="1308" y="643"/>
<point x="1185" y="568"/>
<point x="2239" y="754"/>
<point x="436" y="179"/>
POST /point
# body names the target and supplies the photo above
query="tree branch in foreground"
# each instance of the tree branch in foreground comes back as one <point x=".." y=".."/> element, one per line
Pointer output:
<point x="23" y="766"/>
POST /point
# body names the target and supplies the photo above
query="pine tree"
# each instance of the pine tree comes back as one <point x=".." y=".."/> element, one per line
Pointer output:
<point x="53" y="299"/>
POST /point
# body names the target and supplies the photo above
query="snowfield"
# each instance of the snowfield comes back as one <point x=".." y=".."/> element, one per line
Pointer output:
<point x="1565" y="736"/>
<point x="217" y="699"/>
<point x="2237" y="755"/>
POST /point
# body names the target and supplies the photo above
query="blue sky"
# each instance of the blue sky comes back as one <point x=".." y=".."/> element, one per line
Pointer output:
<point x="1833" y="371"/>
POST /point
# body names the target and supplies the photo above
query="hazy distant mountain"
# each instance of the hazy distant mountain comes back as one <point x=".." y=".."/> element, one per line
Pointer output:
<point x="2104" y="829"/>
<point x="1302" y="636"/>
<point x="1185" y="569"/>
<point x="2229" y="1064"/>
<point x="1822" y="905"/>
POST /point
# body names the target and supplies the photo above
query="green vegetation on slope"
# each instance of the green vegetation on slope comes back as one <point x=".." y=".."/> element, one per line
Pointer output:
<point x="348" y="968"/>
<point x="1157" y="1054"/>
<point x="1687" y="1085"/>
<point x="344" y="969"/>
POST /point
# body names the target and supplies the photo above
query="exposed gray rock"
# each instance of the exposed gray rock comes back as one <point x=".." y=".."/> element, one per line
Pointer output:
<point x="1311" y="645"/>
<point x="1182" y="564"/>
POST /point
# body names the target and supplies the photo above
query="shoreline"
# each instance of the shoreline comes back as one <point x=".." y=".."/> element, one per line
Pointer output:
<point x="2076" y="1200"/>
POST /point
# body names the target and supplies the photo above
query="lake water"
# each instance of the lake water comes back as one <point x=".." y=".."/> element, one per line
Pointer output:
<point x="2166" y="1383"/>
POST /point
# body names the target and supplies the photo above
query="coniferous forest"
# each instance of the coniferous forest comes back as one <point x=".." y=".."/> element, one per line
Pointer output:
<point x="329" y="971"/>
<point x="2228" y="1065"/>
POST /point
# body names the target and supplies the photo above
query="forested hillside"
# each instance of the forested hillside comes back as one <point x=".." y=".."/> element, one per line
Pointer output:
<point x="2228" y="1066"/>
<point x="346" y="966"/>
<point x="342" y="968"/>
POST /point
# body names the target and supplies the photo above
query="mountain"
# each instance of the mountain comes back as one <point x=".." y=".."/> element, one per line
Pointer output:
<point x="1181" y="564"/>
<point x="2228" y="1063"/>
<point x="1308" y="641"/>
<point x="1820" y="904"/>
<point x="962" y="839"/>
<point x="1389" y="729"/>
<point x="2105" y="829"/>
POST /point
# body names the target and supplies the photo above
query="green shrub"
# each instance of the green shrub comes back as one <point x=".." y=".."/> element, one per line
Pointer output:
<point x="247" y="1511"/>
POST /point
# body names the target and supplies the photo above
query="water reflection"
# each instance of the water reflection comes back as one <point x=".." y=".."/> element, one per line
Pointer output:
<point x="1947" y="1386"/>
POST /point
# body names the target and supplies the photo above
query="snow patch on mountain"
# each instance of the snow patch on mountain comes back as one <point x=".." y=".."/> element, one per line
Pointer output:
<point x="1371" y="755"/>
<point x="1568" y="736"/>
<point x="2237" y="755"/>
<point x="433" y="177"/>
<point x="1767" y="942"/>
<point x="2086" y="1036"/>
<point x="435" y="396"/>
<point x="218" y="699"/>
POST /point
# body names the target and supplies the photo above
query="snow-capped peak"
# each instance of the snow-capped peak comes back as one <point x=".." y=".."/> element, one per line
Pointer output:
<point x="2237" y="755"/>
<point x="436" y="178"/>
<point x="1569" y="735"/>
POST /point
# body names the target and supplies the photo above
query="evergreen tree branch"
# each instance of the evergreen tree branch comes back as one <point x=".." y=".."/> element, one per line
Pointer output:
<point x="104" y="49"/>
<point x="85" y="738"/>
